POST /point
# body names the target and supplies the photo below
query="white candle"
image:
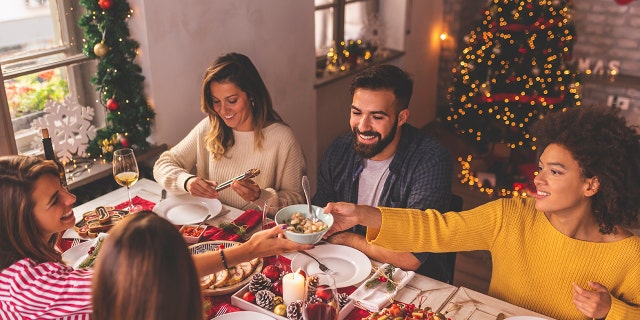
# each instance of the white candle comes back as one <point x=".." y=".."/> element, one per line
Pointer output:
<point x="292" y="288"/>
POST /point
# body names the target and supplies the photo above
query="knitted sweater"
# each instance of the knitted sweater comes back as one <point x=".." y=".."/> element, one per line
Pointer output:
<point x="534" y="265"/>
<point x="280" y="160"/>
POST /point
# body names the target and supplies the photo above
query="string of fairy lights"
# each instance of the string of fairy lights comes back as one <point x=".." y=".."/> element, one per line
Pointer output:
<point x="512" y="70"/>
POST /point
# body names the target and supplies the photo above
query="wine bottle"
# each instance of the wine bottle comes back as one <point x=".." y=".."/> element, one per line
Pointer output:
<point x="50" y="155"/>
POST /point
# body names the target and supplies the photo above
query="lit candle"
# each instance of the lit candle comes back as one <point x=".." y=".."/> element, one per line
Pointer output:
<point x="292" y="288"/>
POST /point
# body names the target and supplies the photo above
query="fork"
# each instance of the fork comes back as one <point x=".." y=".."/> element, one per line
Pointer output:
<point x="221" y="311"/>
<point x="322" y="266"/>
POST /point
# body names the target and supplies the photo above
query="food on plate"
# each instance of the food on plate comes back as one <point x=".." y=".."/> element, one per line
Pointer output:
<point x="92" y="255"/>
<point x="221" y="278"/>
<point x="300" y="224"/>
<point x="207" y="281"/>
<point x="403" y="311"/>
<point x="99" y="220"/>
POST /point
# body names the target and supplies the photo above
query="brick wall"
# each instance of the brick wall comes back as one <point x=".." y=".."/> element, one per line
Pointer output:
<point x="607" y="33"/>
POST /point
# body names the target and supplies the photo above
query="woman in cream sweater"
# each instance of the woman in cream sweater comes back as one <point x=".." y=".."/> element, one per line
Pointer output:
<point x="242" y="132"/>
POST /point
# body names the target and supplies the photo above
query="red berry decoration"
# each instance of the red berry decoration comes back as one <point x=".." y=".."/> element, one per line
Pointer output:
<point x="105" y="4"/>
<point x="382" y="279"/>
<point x="112" y="104"/>
<point x="277" y="287"/>
<point x="249" y="296"/>
<point x="272" y="272"/>
<point x="323" y="292"/>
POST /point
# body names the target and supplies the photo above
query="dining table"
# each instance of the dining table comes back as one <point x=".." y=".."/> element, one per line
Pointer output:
<point x="457" y="303"/>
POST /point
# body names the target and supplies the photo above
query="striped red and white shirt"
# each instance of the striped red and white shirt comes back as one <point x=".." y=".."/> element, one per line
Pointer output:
<point x="50" y="290"/>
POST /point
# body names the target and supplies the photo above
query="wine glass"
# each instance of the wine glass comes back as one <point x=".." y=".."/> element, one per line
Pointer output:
<point x="321" y="302"/>
<point x="271" y="206"/>
<point x="125" y="172"/>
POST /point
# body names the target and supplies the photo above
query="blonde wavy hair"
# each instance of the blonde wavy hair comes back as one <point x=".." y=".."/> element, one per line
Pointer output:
<point x="239" y="70"/>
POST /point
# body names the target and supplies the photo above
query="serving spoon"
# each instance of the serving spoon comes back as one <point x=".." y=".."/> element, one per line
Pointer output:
<point x="305" y="187"/>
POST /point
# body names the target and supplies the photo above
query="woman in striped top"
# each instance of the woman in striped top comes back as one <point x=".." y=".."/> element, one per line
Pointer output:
<point x="34" y="281"/>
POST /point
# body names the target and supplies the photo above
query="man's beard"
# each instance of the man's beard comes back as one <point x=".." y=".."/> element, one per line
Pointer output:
<point x="368" y="151"/>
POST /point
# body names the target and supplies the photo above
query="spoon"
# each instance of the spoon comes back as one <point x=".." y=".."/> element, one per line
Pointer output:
<point x="305" y="187"/>
<point x="203" y="221"/>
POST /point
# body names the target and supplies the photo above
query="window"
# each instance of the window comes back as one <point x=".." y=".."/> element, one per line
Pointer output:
<point x="40" y="59"/>
<point x="343" y="20"/>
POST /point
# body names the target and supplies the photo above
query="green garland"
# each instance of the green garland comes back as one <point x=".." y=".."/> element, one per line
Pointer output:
<point x="118" y="79"/>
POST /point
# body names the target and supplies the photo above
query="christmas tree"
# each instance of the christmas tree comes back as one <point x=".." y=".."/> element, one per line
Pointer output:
<point x="118" y="80"/>
<point x="513" y="69"/>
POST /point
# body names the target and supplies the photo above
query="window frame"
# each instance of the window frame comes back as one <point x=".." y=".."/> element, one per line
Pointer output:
<point x="339" y="10"/>
<point x="68" y="13"/>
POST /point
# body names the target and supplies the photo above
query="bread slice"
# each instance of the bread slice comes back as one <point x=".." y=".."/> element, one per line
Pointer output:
<point x="246" y="267"/>
<point x="254" y="262"/>
<point x="207" y="281"/>
<point x="221" y="278"/>
<point x="237" y="274"/>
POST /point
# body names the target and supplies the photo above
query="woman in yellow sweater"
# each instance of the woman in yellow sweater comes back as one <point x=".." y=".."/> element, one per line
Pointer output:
<point x="566" y="252"/>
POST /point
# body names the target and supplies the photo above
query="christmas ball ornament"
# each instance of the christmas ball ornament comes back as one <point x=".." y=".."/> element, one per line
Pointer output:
<point x="277" y="287"/>
<point x="125" y="142"/>
<point x="272" y="272"/>
<point x="105" y="4"/>
<point x="100" y="49"/>
<point x="112" y="104"/>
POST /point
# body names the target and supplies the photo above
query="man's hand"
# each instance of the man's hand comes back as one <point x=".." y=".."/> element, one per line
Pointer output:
<point x="594" y="303"/>
<point x="344" y="216"/>
<point x="202" y="188"/>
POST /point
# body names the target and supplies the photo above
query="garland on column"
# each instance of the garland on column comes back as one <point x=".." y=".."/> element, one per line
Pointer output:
<point x="118" y="80"/>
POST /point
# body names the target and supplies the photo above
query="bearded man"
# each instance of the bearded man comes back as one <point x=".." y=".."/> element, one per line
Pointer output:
<point x="386" y="162"/>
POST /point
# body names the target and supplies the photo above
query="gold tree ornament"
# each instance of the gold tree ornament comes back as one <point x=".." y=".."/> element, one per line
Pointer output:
<point x="100" y="49"/>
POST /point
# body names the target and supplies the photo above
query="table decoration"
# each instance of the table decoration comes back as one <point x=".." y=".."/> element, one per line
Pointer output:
<point x="292" y="287"/>
<point x="380" y="290"/>
<point x="469" y="304"/>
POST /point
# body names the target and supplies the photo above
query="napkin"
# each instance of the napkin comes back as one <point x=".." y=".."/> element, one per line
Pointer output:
<point x="377" y="297"/>
<point x="249" y="219"/>
<point x="145" y="204"/>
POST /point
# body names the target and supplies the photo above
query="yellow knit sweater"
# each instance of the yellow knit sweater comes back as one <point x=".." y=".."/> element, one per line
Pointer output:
<point x="281" y="163"/>
<point x="534" y="265"/>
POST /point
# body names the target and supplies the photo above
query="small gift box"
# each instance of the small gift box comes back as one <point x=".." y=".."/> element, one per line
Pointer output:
<point x="379" y="290"/>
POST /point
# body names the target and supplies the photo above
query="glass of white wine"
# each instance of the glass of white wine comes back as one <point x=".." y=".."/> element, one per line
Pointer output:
<point x="125" y="172"/>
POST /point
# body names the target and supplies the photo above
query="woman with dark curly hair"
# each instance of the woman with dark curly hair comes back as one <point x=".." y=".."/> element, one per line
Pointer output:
<point x="567" y="252"/>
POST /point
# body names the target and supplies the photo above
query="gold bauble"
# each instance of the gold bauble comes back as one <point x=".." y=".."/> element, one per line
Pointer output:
<point x="100" y="49"/>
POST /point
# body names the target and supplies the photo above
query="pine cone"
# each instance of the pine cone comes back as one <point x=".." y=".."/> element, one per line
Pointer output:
<point x="314" y="299"/>
<point x="264" y="299"/>
<point x="294" y="310"/>
<point x="343" y="299"/>
<point x="312" y="284"/>
<point x="259" y="282"/>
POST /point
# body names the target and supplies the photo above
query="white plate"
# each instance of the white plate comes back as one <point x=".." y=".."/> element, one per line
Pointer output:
<point x="524" y="318"/>
<point x="350" y="265"/>
<point x="243" y="315"/>
<point x="75" y="255"/>
<point x="187" y="209"/>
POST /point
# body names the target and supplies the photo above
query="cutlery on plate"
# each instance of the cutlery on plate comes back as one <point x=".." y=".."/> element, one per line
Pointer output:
<point x="307" y="191"/>
<point x="163" y="194"/>
<point x="251" y="173"/>
<point x="203" y="221"/>
<point x="322" y="266"/>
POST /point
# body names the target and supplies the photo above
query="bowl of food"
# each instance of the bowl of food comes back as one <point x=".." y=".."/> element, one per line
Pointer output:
<point x="300" y="227"/>
<point x="192" y="233"/>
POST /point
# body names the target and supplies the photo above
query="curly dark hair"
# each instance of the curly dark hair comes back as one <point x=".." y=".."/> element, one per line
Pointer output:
<point x="604" y="146"/>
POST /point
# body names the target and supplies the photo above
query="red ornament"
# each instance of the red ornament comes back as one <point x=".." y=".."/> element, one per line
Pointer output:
<point x="382" y="279"/>
<point x="105" y="4"/>
<point x="112" y="104"/>
<point x="272" y="272"/>
<point x="324" y="292"/>
<point x="277" y="288"/>
<point x="125" y="142"/>
<point x="249" y="296"/>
